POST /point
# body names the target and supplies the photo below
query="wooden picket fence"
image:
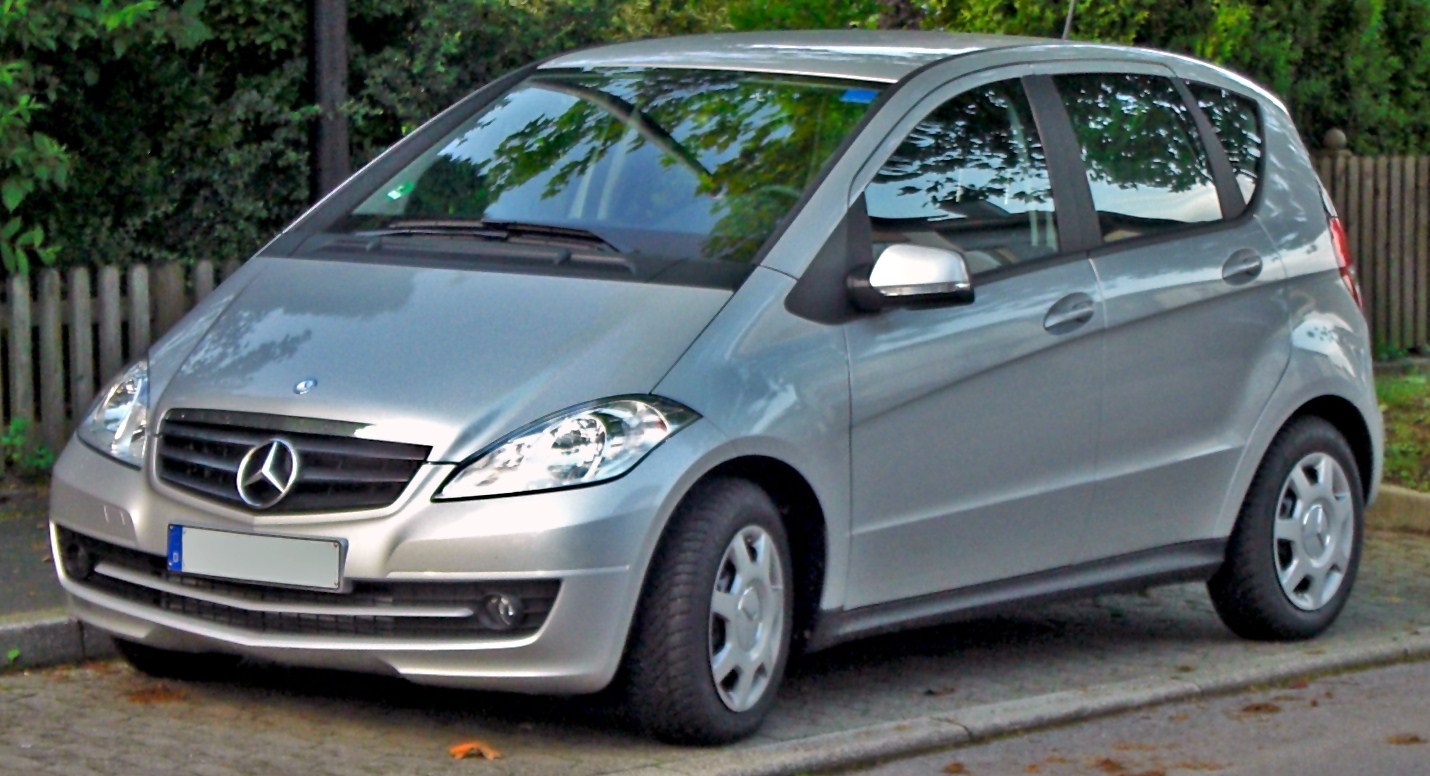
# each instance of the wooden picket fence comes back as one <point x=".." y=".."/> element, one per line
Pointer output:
<point x="63" y="333"/>
<point x="1384" y="202"/>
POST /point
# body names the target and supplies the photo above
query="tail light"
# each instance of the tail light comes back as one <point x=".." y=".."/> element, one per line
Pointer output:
<point x="1344" y="262"/>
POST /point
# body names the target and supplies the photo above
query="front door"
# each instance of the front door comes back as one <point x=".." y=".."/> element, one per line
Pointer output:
<point x="974" y="428"/>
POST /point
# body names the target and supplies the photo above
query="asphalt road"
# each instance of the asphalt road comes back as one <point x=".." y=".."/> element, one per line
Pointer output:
<point x="1369" y="722"/>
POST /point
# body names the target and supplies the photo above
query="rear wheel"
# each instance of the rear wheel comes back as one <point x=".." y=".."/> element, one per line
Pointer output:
<point x="1293" y="556"/>
<point x="712" y="633"/>
<point x="171" y="664"/>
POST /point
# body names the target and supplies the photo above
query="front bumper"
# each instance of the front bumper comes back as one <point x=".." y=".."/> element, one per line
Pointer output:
<point x="593" y="543"/>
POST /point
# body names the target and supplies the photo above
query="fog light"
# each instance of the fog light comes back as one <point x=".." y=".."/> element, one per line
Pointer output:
<point x="76" y="560"/>
<point x="502" y="612"/>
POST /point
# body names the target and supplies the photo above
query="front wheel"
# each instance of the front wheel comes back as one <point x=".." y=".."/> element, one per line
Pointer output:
<point x="712" y="632"/>
<point x="1294" y="553"/>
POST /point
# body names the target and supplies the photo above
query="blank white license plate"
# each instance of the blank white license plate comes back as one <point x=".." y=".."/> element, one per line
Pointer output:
<point x="281" y="560"/>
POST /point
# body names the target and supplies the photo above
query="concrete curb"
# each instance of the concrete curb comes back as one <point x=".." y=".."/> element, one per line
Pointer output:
<point x="1400" y="509"/>
<point x="49" y="638"/>
<point x="978" y="723"/>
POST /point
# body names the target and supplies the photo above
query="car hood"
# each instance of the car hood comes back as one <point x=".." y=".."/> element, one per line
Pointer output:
<point x="449" y="358"/>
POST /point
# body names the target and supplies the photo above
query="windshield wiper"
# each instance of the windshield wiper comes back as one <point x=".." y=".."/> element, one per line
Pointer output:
<point x="492" y="230"/>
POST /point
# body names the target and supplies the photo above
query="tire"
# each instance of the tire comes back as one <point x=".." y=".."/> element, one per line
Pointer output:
<point x="712" y="631"/>
<point x="1293" y="556"/>
<point x="171" y="664"/>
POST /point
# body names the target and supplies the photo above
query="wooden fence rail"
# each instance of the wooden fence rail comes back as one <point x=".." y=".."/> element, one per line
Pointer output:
<point x="63" y="333"/>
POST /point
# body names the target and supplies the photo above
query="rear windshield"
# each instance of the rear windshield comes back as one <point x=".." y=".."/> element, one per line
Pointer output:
<point x="675" y="164"/>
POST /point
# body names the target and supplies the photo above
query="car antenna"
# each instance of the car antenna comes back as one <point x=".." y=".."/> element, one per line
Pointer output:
<point x="1067" y="25"/>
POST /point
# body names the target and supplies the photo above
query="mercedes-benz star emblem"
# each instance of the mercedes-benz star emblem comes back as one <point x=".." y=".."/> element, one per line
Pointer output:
<point x="304" y="386"/>
<point x="267" y="472"/>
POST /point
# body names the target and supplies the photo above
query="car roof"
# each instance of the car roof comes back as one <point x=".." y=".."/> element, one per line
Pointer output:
<point x="870" y="55"/>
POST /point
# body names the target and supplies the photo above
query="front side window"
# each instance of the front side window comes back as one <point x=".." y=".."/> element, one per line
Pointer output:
<point x="1238" y="126"/>
<point x="1145" y="163"/>
<point x="674" y="164"/>
<point x="971" y="177"/>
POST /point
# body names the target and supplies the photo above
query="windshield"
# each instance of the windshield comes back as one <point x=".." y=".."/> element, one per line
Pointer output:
<point x="676" y="164"/>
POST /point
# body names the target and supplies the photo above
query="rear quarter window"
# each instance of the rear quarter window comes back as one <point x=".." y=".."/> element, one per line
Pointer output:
<point x="1237" y="122"/>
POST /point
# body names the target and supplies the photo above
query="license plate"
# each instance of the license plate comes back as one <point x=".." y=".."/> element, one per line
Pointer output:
<point x="281" y="560"/>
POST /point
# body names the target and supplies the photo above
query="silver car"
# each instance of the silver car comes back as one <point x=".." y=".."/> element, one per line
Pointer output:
<point x="656" y="363"/>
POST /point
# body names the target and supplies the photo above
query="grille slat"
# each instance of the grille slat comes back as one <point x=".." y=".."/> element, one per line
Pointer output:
<point x="201" y="452"/>
<point x="372" y="609"/>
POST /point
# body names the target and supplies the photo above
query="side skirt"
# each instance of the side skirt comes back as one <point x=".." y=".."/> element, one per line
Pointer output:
<point x="1186" y="562"/>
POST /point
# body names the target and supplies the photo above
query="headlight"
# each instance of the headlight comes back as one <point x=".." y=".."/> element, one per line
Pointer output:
<point x="583" y="445"/>
<point x="118" y="423"/>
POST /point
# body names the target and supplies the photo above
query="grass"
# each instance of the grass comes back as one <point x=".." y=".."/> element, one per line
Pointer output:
<point x="1405" y="402"/>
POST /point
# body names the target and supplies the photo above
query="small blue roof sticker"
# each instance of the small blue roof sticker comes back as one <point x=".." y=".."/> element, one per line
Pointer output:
<point x="859" y="95"/>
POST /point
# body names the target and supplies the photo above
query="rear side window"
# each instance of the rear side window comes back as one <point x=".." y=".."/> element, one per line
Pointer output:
<point x="1145" y="163"/>
<point x="971" y="177"/>
<point x="1238" y="126"/>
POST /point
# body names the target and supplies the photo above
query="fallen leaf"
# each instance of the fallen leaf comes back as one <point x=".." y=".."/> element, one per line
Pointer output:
<point x="159" y="693"/>
<point x="1299" y="684"/>
<point x="47" y="558"/>
<point x="940" y="691"/>
<point x="1109" y="765"/>
<point x="1260" y="708"/>
<point x="1315" y="703"/>
<point x="474" y="748"/>
<point x="1186" y="669"/>
<point x="1150" y="772"/>
<point x="1197" y="765"/>
<point x="1404" y="739"/>
<point x="1127" y="746"/>
<point x="1032" y="768"/>
<point x="1180" y="716"/>
<point x="955" y="767"/>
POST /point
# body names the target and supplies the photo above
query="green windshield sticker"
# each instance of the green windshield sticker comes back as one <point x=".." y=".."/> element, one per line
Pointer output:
<point x="400" y="191"/>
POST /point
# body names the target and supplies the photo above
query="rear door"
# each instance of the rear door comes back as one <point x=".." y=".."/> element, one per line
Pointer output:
<point x="1195" y="336"/>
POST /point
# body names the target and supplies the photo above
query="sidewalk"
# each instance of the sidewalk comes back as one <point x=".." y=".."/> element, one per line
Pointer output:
<point x="874" y="698"/>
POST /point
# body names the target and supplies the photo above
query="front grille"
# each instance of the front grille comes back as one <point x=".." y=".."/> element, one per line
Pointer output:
<point x="426" y="610"/>
<point x="200" y="452"/>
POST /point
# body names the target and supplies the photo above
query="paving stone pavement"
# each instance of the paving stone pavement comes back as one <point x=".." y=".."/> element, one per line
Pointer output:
<point x="102" y="718"/>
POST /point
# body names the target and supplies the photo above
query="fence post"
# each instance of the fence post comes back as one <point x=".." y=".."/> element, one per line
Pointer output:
<point x="203" y="280"/>
<point x="139" y="311"/>
<point x="52" y="361"/>
<point x="81" y="325"/>
<point x="111" y="323"/>
<point x="170" y="299"/>
<point x="22" y="391"/>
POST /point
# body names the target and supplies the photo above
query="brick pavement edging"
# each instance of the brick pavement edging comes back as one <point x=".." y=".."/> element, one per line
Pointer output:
<point x="979" y="723"/>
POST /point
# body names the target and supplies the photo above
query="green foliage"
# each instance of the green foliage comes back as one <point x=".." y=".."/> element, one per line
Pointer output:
<point x="28" y="461"/>
<point x="1405" y="402"/>
<point x="177" y="129"/>
<point x="12" y="654"/>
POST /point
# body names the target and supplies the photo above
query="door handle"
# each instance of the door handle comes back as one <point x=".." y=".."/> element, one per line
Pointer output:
<point x="1069" y="313"/>
<point x="1243" y="267"/>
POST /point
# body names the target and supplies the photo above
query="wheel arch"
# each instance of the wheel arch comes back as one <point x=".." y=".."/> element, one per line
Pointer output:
<point x="804" y="522"/>
<point x="1347" y="419"/>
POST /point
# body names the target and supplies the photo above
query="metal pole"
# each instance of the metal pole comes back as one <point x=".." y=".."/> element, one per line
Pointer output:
<point x="1067" y="25"/>
<point x="328" y="75"/>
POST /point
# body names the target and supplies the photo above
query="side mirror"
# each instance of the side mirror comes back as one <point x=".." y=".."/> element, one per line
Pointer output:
<point x="909" y="275"/>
